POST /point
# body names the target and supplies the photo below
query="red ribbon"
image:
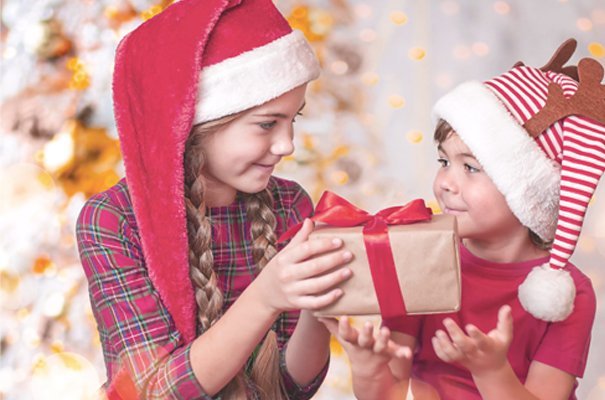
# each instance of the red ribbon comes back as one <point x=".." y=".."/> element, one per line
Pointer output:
<point x="336" y="211"/>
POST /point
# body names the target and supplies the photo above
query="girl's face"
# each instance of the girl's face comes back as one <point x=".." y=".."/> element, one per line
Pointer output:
<point x="241" y="156"/>
<point x="463" y="189"/>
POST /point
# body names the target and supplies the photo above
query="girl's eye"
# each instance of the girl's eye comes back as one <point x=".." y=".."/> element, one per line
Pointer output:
<point x="267" y="125"/>
<point x="471" y="169"/>
<point x="444" y="163"/>
<point x="297" y="114"/>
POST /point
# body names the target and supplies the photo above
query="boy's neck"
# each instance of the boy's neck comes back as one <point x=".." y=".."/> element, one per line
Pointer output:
<point x="512" y="250"/>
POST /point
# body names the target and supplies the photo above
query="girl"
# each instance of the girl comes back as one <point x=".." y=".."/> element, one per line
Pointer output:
<point x="519" y="159"/>
<point x="193" y="297"/>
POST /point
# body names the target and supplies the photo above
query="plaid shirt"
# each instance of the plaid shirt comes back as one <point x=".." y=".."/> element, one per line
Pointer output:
<point x="132" y="321"/>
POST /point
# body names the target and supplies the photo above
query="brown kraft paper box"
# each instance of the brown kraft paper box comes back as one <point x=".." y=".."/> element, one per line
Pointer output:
<point x="427" y="263"/>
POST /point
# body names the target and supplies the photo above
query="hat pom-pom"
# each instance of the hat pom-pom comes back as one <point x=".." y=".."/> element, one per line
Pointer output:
<point x="547" y="293"/>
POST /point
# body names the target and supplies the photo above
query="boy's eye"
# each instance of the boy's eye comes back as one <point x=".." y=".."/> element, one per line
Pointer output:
<point x="444" y="163"/>
<point x="297" y="114"/>
<point x="471" y="169"/>
<point x="267" y="125"/>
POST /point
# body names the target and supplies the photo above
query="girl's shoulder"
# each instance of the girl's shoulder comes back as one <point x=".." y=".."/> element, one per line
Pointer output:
<point x="287" y="193"/>
<point x="112" y="205"/>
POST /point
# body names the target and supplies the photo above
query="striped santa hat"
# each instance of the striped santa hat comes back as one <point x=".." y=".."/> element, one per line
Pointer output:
<point x="539" y="133"/>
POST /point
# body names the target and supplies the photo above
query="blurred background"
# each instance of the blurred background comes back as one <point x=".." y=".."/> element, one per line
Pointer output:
<point x="365" y="134"/>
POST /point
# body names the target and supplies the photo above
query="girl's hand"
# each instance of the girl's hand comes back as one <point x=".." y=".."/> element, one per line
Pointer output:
<point x="304" y="273"/>
<point x="368" y="351"/>
<point x="476" y="351"/>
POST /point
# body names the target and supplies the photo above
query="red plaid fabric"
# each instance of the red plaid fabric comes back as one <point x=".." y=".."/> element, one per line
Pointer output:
<point x="135" y="327"/>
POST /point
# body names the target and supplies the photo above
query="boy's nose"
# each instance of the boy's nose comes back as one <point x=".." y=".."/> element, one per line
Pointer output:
<point x="447" y="183"/>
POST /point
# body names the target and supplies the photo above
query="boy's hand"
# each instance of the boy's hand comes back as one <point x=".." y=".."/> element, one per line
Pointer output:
<point x="368" y="351"/>
<point x="478" y="352"/>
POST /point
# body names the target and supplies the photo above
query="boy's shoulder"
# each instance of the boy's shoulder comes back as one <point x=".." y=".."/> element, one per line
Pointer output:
<point x="582" y="281"/>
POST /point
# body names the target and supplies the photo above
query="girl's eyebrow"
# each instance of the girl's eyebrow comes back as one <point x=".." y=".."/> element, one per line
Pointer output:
<point x="279" y="115"/>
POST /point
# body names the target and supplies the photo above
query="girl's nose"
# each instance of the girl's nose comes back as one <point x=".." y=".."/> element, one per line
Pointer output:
<point x="283" y="144"/>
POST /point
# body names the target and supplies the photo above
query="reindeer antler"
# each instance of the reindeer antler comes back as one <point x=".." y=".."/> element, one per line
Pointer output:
<point x="559" y="58"/>
<point x="588" y="101"/>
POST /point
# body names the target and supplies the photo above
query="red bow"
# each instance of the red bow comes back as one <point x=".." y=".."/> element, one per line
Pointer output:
<point x="336" y="211"/>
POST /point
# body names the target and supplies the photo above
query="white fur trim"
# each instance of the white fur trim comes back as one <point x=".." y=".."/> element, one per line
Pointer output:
<point x="527" y="178"/>
<point x="255" y="77"/>
<point x="548" y="293"/>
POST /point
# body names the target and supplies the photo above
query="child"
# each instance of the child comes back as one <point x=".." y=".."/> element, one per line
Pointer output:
<point x="520" y="157"/>
<point x="193" y="297"/>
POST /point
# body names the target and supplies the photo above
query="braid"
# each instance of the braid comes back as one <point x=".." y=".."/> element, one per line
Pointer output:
<point x="259" y="208"/>
<point x="265" y="370"/>
<point x="208" y="296"/>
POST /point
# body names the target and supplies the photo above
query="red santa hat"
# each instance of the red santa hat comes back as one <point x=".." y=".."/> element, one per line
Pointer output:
<point x="539" y="133"/>
<point x="197" y="61"/>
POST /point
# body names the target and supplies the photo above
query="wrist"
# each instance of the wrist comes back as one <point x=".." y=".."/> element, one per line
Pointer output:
<point x="258" y="295"/>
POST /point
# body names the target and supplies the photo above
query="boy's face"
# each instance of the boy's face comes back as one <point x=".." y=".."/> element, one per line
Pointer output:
<point x="464" y="190"/>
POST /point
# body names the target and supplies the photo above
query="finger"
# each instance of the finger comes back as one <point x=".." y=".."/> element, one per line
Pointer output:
<point x="317" y="302"/>
<point x="309" y="250"/>
<point x="447" y="346"/>
<point x="322" y="283"/>
<point x="366" y="337"/>
<point x="382" y="339"/>
<point x="346" y="331"/>
<point x="398" y="350"/>
<point x="505" y="323"/>
<point x="439" y="350"/>
<point x="303" y="234"/>
<point x="459" y="338"/>
<point x="480" y="339"/>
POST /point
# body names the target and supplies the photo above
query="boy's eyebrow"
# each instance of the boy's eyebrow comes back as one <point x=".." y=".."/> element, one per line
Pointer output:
<point x="441" y="149"/>
<point x="279" y="115"/>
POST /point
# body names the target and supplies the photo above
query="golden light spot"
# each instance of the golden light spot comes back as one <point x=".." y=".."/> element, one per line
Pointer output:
<point x="584" y="24"/>
<point x="596" y="49"/>
<point x="416" y="53"/>
<point x="42" y="264"/>
<point x="370" y="78"/>
<point x="9" y="282"/>
<point x="396" y="101"/>
<point x="339" y="67"/>
<point x="414" y="136"/>
<point x="308" y="141"/>
<point x="502" y="7"/>
<point x="398" y="17"/>
<point x="340" y="177"/>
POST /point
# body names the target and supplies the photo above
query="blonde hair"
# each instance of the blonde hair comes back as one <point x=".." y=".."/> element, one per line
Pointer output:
<point x="443" y="131"/>
<point x="265" y="374"/>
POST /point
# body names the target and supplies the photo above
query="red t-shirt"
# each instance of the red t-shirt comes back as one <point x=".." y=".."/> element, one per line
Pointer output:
<point x="486" y="286"/>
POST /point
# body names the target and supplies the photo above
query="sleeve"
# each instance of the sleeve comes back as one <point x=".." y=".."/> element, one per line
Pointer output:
<point x="300" y="208"/>
<point x="138" y="335"/>
<point x="565" y="344"/>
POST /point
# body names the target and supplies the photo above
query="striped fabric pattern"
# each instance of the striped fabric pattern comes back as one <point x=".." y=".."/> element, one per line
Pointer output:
<point x="577" y="143"/>
<point x="136" y="330"/>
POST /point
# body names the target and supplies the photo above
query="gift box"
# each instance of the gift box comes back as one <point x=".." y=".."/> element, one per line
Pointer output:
<point x="427" y="268"/>
<point x="405" y="260"/>
<point x="426" y="261"/>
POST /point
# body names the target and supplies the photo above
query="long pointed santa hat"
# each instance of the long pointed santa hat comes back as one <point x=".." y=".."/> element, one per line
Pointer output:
<point x="539" y="133"/>
<point x="196" y="61"/>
